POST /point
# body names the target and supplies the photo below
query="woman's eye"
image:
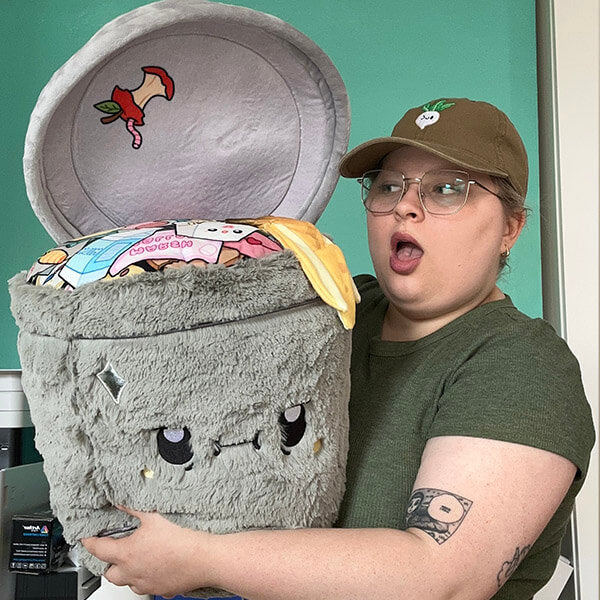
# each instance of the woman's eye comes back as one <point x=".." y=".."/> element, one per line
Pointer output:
<point x="448" y="188"/>
<point x="445" y="189"/>
<point x="390" y="188"/>
<point x="174" y="445"/>
<point x="293" y="425"/>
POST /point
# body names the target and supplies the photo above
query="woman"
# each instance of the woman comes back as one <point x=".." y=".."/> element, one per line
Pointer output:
<point x="469" y="433"/>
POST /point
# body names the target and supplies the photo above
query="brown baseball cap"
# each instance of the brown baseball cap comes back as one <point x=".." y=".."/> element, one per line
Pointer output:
<point x="471" y="134"/>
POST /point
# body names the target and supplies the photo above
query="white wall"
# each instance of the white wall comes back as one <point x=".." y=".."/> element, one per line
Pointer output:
<point x="577" y="68"/>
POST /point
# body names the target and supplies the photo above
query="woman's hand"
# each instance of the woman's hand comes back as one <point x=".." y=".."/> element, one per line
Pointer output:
<point x="158" y="558"/>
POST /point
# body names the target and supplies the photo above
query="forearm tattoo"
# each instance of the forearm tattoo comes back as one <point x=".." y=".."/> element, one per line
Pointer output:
<point x="509" y="566"/>
<point x="437" y="512"/>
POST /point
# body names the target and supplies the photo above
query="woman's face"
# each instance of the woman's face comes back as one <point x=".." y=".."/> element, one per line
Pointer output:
<point x="429" y="265"/>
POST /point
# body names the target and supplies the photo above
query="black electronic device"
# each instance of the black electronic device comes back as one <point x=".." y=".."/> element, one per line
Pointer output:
<point x="37" y="545"/>
<point x="68" y="583"/>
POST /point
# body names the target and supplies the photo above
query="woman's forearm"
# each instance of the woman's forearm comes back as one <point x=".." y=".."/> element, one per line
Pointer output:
<point x="327" y="563"/>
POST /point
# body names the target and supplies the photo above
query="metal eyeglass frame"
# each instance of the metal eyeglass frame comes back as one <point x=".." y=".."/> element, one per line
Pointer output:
<point x="407" y="181"/>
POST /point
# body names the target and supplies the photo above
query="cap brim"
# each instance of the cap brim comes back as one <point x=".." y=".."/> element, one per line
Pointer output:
<point x="368" y="156"/>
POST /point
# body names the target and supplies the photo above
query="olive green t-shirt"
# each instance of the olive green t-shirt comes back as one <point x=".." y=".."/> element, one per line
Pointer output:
<point x="491" y="373"/>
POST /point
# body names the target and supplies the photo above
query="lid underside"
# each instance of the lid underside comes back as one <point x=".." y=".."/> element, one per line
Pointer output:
<point x="256" y="122"/>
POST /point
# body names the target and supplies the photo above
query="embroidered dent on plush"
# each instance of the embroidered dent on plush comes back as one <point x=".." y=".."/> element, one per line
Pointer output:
<point x="216" y="395"/>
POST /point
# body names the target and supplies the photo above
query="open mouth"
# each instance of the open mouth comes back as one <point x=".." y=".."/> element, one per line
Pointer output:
<point x="406" y="253"/>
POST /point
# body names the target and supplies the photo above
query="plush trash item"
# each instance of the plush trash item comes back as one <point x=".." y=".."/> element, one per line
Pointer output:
<point x="148" y="247"/>
<point x="213" y="394"/>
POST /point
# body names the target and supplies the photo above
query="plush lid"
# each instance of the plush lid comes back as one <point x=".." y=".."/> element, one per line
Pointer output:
<point x="186" y="108"/>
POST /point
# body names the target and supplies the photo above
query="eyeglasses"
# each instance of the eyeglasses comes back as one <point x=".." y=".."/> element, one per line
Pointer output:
<point x="441" y="192"/>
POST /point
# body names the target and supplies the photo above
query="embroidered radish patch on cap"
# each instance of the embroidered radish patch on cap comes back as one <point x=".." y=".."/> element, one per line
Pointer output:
<point x="431" y="113"/>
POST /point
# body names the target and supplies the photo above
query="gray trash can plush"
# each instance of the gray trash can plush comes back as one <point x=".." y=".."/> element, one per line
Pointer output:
<point x="198" y="368"/>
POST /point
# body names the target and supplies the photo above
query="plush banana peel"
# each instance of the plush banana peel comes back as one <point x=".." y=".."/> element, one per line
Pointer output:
<point x="321" y="260"/>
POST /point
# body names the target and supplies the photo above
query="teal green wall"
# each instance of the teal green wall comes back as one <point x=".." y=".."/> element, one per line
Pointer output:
<point x="392" y="55"/>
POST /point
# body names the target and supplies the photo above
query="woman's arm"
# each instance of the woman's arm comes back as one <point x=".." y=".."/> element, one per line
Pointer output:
<point x="477" y="507"/>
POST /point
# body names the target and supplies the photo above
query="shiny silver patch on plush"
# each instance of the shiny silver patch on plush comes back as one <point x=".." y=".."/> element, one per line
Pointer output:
<point x="112" y="381"/>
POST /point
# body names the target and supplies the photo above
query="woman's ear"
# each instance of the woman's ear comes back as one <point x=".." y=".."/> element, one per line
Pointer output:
<point x="513" y="227"/>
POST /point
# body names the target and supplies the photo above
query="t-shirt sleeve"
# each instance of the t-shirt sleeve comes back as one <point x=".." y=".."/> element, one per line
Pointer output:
<point x="521" y="385"/>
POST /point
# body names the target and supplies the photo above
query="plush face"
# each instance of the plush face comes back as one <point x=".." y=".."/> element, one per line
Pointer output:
<point x="238" y="424"/>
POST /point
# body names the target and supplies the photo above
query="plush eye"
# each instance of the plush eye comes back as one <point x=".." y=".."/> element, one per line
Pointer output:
<point x="174" y="445"/>
<point x="293" y="425"/>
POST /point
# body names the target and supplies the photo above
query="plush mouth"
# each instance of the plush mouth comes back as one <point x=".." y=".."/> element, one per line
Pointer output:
<point x="218" y="446"/>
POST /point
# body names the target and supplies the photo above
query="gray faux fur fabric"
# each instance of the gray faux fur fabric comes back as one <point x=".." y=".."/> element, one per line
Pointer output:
<point x="216" y="396"/>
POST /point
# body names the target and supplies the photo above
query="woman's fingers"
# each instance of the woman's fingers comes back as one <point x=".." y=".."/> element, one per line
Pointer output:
<point x="114" y="575"/>
<point x="105" y="549"/>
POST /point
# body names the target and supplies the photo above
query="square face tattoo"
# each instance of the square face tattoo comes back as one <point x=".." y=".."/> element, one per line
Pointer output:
<point x="436" y="512"/>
